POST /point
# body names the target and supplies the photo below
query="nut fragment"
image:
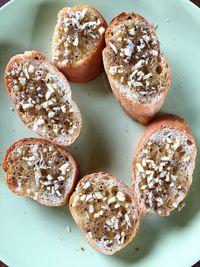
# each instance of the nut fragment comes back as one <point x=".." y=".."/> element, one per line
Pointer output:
<point x="120" y="196"/>
<point x="86" y="185"/>
<point x="31" y="68"/>
<point x="140" y="168"/>
<point x="111" y="200"/>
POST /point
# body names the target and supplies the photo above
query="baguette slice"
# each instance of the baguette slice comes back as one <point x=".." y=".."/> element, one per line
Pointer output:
<point x="138" y="72"/>
<point x="42" y="97"/>
<point x="37" y="169"/>
<point x="103" y="208"/>
<point x="163" y="165"/>
<point x="78" y="42"/>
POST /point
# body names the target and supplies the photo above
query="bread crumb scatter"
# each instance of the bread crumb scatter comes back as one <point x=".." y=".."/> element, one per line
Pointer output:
<point x="136" y="59"/>
<point x="68" y="228"/>
<point x="79" y="31"/>
<point x="155" y="26"/>
<point x="161" y="168"/>
<point x="181" y="206"/>
<point x="107" y="213"/>
<point x="40" y="171"/>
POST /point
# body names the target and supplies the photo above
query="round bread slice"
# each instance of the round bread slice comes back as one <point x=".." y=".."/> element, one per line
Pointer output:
<point x="163" y="165"/>
<point x="37" y="169"/>
<point x="42" y="97"/>
<point x="78" y="42"/>
<point x="138" y="72"/>
<point x="103" y="208"/>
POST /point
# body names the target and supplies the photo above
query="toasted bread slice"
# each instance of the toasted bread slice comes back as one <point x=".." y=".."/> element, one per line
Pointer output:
<point x="42" y="97"/>
<point x="78" y="42"/>
<point x="138" y="72"/>
<point x="37" y="169"/>
<point x="103" y="208"/>
<point x="163" y="165"/>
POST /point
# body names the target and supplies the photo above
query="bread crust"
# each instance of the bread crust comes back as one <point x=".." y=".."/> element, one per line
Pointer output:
<point x="141" y="112"/>
<point x="120" y="18"/>
<point x="161" y="122"/>
<point x="79" y="222"/>
<point x="90" y="67"/>
<point x="40" y="56"/>
<point x="23" y="141"/>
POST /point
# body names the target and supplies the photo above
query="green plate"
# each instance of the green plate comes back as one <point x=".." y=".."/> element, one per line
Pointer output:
<point x="32" y="235"/>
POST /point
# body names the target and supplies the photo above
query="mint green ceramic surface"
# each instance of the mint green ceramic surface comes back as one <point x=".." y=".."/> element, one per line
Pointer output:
<point x="32" y="235"/>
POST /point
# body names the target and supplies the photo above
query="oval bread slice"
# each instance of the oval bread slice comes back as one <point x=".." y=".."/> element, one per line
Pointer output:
<point x="78" y="42"/>
<point x="138" y="72"/>
<point x="163" y="165"/>
<point x="42" y="97"/>
<point x="37" y="169"/>
<point x="103" y="208"/>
